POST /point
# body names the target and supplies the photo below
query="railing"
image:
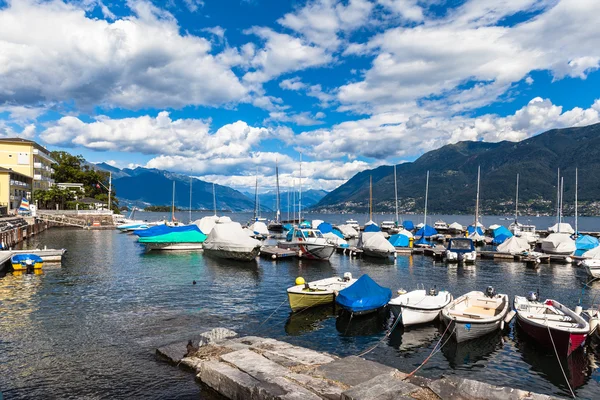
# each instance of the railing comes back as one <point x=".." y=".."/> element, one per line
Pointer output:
<point x="76" y="212"/>
<point x="37" y="165"/>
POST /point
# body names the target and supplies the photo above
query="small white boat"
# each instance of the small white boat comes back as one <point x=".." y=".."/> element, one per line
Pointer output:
<point x="419" y="306"/>
<point x="526" y="232"/>
<point x="461" y="250"/>
<point x="592" y="266"/>
<point x="353" y="224"/>
<point x="476" y="314"/>
<point x="228" y="240"/>
<point x="551" y="324"/>
<point x="440" y="225"/>
<point x="308" y="243"/>
<point x="558" y="243"/>
<point x="387" y="225"/>
<point x="305" y="295"/>
<point x="374" y="244"/>
<point x="174" y="246"/>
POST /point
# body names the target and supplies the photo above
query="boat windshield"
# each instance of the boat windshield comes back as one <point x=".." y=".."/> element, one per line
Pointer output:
<point x="312" y="234"/>
<point x="460" y="245"/>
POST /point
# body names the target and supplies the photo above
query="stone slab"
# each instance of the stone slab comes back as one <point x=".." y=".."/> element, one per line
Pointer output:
<point x="254" y="364"/>
<point x="174" y="352"/>
<point x="218" y="334"/>
<point x="467" y="389"/>
<point x="324" y="388"/>
<point x="382" y="387"/>
<point x="353" y="370"/>
<point x="301" y="355"/>
<point x="228" y="381"/>
<point x="292" y="390"/>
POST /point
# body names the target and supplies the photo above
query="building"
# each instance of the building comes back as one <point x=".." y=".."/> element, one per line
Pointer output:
<point x="13" y="187"/>
<point x="28" y="158"/>
<point x="76" y="188"/>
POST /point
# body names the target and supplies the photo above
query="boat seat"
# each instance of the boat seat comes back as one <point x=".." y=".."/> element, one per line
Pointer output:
<point x="466" y="314"/>
<point x="478" y="310"/>
<point x="550" y="317"/>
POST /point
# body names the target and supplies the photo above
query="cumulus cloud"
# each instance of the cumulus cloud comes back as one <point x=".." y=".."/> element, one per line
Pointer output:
<point x="51" y="51"/>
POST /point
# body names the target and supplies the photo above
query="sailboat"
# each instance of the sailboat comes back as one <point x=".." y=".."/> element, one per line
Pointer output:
<point x="476" y="236"/>
<point x="560" y="242"/>
<point x="276" y="225"/>
<point x="258" y="225"/>
<point x="372" y="242"/>
<point x="521" y="230"/>
<point x="425" y="231"/>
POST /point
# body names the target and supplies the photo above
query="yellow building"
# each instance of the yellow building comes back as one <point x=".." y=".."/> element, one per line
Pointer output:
<point x="25" y="166"/>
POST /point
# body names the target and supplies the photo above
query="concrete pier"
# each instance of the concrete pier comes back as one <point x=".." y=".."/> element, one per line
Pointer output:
<point x="259" y="368"/>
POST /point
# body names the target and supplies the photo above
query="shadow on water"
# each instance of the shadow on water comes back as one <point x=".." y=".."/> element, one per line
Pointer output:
<point x="413" y="338"/>
<point x="364" y="325"/>
<point x="577" y="367"/>
<point x="309" y="320"/>
<point x="470" y="352"/>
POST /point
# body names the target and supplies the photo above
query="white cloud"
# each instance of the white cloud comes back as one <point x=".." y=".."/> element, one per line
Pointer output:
<point x="408" y="9"/>
<point x="193" y="5"/>
<point x="301" y="119"/>
<point x="50" y="51"/>
<point x="292" y="84"/>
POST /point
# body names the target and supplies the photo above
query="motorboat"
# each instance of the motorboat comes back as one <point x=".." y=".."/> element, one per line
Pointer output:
<point x="559" y="244"/>
<point x="364" y="296"/>
<point x="551" y="323"/>
<point x="461" y="250"/>
<point x="455" y="227"/>
<point x="26" y="261"/>
<point x="419" y="306"/>
<point x="353" y="224"/>
<point x="308" y="243"/>
<point x="228" y="240"/>
<point x="311" y="294"/>
<point x="260" y="230"/>
<point x="440" y="225"/>
<point x="592" y="317"/>
<point x="514" y="245"/>
<point x="475" y="314"/>
<point x="348" y="231"/>
<point x="387" y="225"/>
<point x="165" y="237"/>
<point x="591" y="262"/>
<point x="374" y="244"/>
<point x="527" y="232"/>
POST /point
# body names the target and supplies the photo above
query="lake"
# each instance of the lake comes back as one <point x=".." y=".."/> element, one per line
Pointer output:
<point x="89" y="329"/>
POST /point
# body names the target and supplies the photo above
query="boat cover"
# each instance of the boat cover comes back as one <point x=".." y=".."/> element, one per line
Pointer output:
<point x="287" y="227"/>
<point x="399" y="240"/>
<point x="336" y="232"/>
<point x="493" y="227"/>
<point x="347" y="230"/>
<point x="259" y="228"/>
<point x="187" y="236"/>
<point x="426" y="231"/>
<point x="501" y="234"/>
<point x="315" y="223"/>
<point x="332" y="237"/>
<point x="158" y="230"/>
<point x="593" y="253"/>
<point x="471" y="230"/>
<point x="586" y="242"/>
<point x="408" y="225"/>
<point x="364" y="295"/>
<point x="372" y="227"/>
<point x="564" y="228"/>
<point x="324" y="227"/>
<point x="206" y="223"/>
<point x="305" y="225"/>
<point x="375" y="241"/>
<point x="230" y="236"/>
<point x="23" y="257"/>
<point x="456" y="226"/>
<point x="559" y="243"/>
<point x="514" y="245"/>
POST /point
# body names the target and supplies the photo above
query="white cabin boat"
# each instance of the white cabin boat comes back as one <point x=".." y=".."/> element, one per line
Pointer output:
<point x="353" y="224"/>
<point x="308" y="243"/>
<point x="440" y="225"/>
<point x="387" y="225"/>
<point x="419" y="306"/>
<point x="527" y="232"/>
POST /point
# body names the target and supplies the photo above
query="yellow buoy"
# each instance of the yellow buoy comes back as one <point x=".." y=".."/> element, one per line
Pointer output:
<point x="300" y="281"/>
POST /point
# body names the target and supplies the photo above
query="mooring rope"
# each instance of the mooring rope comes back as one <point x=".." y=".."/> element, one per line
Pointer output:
<point x="559" y="363"/>
<point x="435" y="349"/>
<point x="387" y="335"/>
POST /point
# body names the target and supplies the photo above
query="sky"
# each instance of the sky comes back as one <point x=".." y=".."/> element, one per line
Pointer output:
<point x="225" y="89"/>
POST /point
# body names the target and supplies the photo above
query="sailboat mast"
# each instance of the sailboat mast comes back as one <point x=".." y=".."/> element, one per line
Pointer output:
<point x="190" y="200"/>
<point x="517" y="201"/>
<point x="396" y="191"/>
<point x="300" y="194"/>
<point x="277" y="184"/>
<point x="214" y="199"/>
<point x="256" y="196"/>
<point x="371" y="198"/>
<point x="576" y="187"/>
<point x="173" y="204"/>
<point x="558" y="195"/>
<point x="562" y="188"/>
<point x="426" y="196"/>
<point x="477" y="198"/>
<point x="294" y="199"/>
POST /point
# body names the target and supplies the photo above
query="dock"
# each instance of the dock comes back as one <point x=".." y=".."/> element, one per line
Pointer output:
<point x="276" y="253"/>
<point x="252" y="367"/>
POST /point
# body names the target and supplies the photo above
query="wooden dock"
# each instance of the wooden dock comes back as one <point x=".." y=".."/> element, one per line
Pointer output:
<point x="276" y="253"/>
<point x="435" y="252"/>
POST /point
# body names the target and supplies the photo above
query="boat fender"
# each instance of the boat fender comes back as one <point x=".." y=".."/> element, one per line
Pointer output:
<point x="347" y="276"/>
<point x="300" y="253"/>
<point x="401" y="291"/>
<point x="578" y="309"/>
<point x="502" y="325"/>
<point x="274" y="257"/>
<point x="300" y="281"/>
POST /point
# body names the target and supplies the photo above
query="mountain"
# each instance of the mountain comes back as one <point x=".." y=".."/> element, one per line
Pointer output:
<point x="145" y="186"/>
<point x="267" y="200"/>
<point x="453" y="177"/>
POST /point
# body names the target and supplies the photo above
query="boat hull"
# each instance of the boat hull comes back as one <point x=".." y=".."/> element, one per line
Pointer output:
<point x="173" y="246"/>
<point x="24" y="267"/>
<point x="301" y="301"/>
<point x="412" y="316"/>
<point x="232" y="254"/>
<point x="464" y="331"/>
<point x="564" y="341"/>
<point x="378" y="254"/>
<point x="309" y="250"/>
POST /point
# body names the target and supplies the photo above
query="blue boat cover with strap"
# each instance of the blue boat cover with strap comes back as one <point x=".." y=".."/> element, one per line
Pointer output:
<point x="399" y="240"/>
<point x="165" y="229"/>
<point x="364" y="295"/>
<point x="372" y="228"/>
<point x="408" y="225"/>
<point x="426" y="231"/>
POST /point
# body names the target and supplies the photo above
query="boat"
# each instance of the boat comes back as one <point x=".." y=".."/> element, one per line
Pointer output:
<point x="308" y="243"/>
<point x="165" y="237"/>
<point x="276" y="225"/>
<point x="387" y="225"/>
<point x="347" y="231"/>
<point x="558" y="243"/>
<point x="26" y="261"/>
<point x="520" y="230"/>
<point x="461" y="250"/>
<point x="374" y="244"/>
<point x="476" y="314"/>
<point x="259" y="229"/>
<point x="551" y="323"/>
<point x="228" y="240"/>
<point x="592" y="317"/>
<point x="455" y="227"/>
<point x="365" y="296"/>
<point x="312" y="294"/>
<point x="352" y="223"/>
<point x="514" y="245"/>
<point x="440" y="225"/>
<point x="132" y="225"/>
<point x="419" y="306"/>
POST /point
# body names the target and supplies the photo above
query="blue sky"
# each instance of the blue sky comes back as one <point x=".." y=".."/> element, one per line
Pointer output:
<point x="218" y="89"/>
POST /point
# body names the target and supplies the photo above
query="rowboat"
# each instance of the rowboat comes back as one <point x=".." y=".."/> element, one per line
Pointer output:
<point x="551" y="323"/>
<point x="25" y="261"/>
<point x="364" y="296"/>
<point x="419" y="306"/>
<point x="305" y="295"/>
<point x="476" y="314"/>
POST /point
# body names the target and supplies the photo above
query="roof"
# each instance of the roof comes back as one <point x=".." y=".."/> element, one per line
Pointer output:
<point x="3" y="170"/>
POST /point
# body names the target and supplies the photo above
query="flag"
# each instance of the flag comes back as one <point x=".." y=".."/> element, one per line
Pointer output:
<point x="24" y="204"/>
<point x="97" y="186"/>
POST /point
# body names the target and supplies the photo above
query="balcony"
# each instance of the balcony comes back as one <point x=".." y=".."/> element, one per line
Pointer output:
<point x="37" y="177"/>
<point x="37" y="165"/>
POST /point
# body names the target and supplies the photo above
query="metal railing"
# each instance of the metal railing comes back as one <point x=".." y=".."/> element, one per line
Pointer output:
<point x="75" y="212"/>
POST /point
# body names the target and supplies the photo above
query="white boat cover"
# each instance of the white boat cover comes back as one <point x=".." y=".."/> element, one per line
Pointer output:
<point x="593" y="253"/>
<point x="406" y="233"/>
<point x="334" y="238"/>
<point x="248" y="232"/>
<point x="494" y="226"/>
<point x="315" y="223"/>
<point x="230" y="237"/>
<point x="514" y="245"/>
<point x="476" y="237"/>
<point x="371" y="222"/>
<point x="564" y="228"/>
<point x="206" y="224"/>
<point x="375" y="241"/>
<point x="456" y="226"/>
<point x="420" y="225"/>
<point x="224" y="220"/>
<point x="259" y="228"/>
<point x="559" y="243"/>
<point x="348" y="231"/>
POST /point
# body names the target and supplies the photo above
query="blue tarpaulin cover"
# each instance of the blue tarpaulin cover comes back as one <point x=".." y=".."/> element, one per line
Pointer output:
<point x="372" y="228"/>
<point x="364" y="295"/>
<point x="337" y="232"/>
<point x="501" y="238"/>
<point x="586" y="242"/>
<point x="287" y="227"/>
<point x="502" y="230"/>
<point x="325" y="227"/>
<point x="471" y="230"/>
<point x="165" y="229"/>
<point x="305" y="225"/>
<point x="399" y="240"/>
<point x="408" y="225"/>
<point x="422" y="240"/>
<point x="426" y="231"/>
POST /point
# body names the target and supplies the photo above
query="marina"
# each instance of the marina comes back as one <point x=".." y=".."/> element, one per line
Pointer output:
<point x="157" y="298"/>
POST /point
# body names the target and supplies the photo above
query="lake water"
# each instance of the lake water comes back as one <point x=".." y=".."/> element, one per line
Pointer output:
<point x="89" y="329"/>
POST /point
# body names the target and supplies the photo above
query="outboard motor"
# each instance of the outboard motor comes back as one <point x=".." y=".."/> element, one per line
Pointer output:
<point x="347" y="276"/>
<point x="433" y="291"/>
<point x="490" y="292"/>
<point x="532" y="296"/>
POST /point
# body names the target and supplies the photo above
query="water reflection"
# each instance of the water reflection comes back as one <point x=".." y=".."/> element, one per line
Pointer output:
<point x="364" y="325"/>
<point x="305" y="321"/>
<point x="468" y="353"/>
<point x="413" y="338"/>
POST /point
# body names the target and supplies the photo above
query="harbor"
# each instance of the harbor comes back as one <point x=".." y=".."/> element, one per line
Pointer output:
<point x="132" y="301"/>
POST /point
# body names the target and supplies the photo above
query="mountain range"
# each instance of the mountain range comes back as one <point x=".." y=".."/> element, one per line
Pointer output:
<point x="146" y="186"/>
<point x="453" y="177"/>
<point x="267" y="200"/>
